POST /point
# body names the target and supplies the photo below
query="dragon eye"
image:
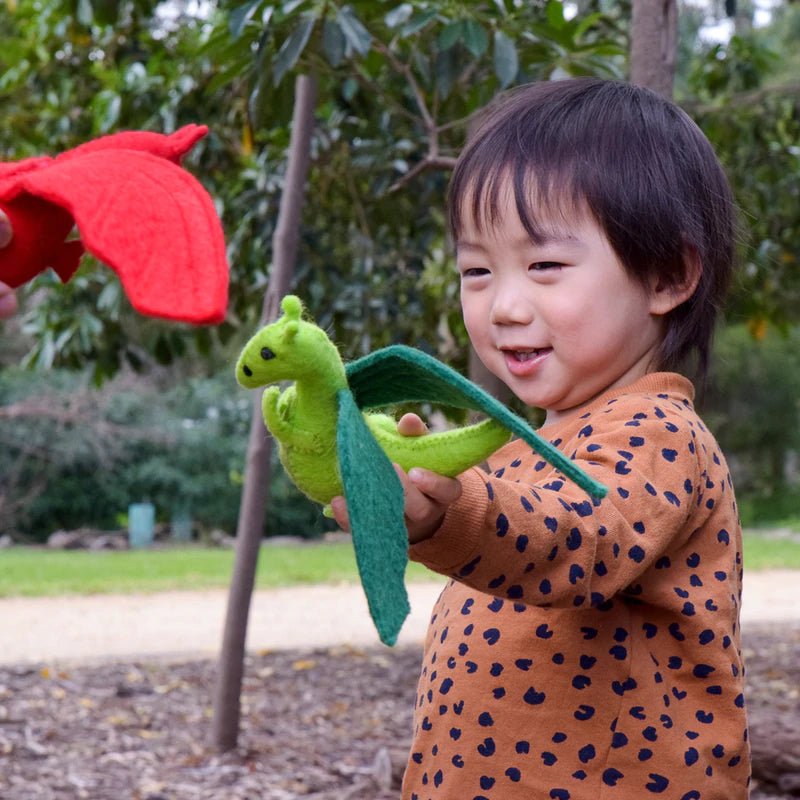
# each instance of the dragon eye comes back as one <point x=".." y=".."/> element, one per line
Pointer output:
<point x="267" y="354"/>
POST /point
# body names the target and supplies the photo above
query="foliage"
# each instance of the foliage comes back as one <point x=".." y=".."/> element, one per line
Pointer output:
<point x="399" y="82"/>
<point x="753" y="407"/>
<point x="753" y="122"/>
<point x="77" y="457"/>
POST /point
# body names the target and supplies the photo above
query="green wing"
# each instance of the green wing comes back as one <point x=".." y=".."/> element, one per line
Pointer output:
<point x="399" y="374"/>
<point x="375" y="503"/>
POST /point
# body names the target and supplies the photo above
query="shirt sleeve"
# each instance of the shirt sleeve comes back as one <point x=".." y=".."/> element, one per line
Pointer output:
<point x="542" y="541"/>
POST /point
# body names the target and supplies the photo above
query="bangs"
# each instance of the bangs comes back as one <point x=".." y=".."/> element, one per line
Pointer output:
<point x="544" y="211"/>
<point x="539" y="153"/>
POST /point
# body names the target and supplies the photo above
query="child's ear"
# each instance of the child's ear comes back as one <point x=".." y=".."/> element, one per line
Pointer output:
<point x="664" y="297"/>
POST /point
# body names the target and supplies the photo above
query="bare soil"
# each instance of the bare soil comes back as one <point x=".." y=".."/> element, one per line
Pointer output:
<point x="325" y="724"/>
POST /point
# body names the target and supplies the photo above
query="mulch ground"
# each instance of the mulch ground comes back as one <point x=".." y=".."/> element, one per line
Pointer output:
<point x="317" y="725"/>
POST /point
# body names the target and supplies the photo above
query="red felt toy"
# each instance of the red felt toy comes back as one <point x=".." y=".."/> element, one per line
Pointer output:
<point x="136" y="210"/>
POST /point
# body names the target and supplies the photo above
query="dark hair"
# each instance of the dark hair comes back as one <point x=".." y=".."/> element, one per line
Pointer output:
<point x="638" y="162"/>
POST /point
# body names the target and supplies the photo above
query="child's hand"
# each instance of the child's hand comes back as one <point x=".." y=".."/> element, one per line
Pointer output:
<point x="427" y="495"/>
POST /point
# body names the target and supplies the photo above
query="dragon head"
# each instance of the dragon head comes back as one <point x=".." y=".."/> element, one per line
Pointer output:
<point x="288" y="349"/>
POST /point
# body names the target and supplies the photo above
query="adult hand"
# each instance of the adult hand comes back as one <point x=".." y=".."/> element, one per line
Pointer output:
<point x="427" y="494"/>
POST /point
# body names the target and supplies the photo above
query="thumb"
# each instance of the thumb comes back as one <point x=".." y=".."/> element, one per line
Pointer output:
<point x="411" y="425"/>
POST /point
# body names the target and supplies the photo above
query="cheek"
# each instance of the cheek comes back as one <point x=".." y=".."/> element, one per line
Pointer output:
<point x="472" y="313"/>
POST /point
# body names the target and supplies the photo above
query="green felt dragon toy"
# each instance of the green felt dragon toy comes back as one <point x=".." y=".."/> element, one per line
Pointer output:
<point x="329" y="446"/>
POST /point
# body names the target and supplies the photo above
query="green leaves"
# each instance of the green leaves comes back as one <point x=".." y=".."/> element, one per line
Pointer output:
<point x="357" y="36"/>
<point x="468" y="32"/>
<point x="106" y="106"/>
<point x="240" y="16"/>
<point x="506" y="59"/>
<point x="334" y="44"/>
<point x="292" y="48"/>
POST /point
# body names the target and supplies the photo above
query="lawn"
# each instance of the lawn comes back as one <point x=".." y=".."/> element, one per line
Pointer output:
<point x="34" y="572"/>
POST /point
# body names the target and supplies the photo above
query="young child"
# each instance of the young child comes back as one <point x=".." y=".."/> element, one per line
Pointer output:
<point x="586" y="649"/>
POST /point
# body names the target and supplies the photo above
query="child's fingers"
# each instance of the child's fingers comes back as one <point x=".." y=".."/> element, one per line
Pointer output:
<point x="438" y="488"/>
<point x="339" y="509"/>
<point x="424" y="512"/>
<point x="411" y="425"/>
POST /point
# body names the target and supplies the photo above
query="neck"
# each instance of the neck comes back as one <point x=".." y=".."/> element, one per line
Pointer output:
<point x="316" y="395"/>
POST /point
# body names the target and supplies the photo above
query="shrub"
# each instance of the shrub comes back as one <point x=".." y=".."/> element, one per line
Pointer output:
<point x="73" y="456"/>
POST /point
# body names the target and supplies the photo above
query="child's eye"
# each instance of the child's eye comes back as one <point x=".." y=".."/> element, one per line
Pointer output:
<point x="543" y="266"/>
<point x="474" y="272"/>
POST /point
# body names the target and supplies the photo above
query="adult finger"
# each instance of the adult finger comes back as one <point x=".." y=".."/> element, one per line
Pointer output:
<point x="8" y="301"/>
<point x="6" y="231"/>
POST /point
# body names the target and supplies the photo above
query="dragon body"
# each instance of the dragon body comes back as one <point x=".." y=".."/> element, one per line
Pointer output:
<point x="303" y="417"/>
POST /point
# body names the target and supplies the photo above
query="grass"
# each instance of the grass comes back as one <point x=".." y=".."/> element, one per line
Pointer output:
<point x="761" y="551"/>
<point x="34" y="572"/>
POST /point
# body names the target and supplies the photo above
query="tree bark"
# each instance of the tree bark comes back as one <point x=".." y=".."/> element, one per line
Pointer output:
<point x="654" y="41"/>
<point x="252" y="509"/>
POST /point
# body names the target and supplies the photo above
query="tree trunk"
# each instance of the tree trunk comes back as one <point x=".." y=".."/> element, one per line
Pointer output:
<point x="654" y="41"/>
<point x="256" y="487"/>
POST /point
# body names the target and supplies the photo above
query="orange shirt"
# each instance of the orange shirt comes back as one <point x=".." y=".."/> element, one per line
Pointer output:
<point x="587" y="650"/>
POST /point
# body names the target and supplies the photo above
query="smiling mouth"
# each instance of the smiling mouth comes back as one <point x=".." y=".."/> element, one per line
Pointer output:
<point x="526" y="355"/>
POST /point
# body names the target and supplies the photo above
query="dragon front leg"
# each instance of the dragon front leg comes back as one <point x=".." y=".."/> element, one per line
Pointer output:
<point x="277" y="410"/>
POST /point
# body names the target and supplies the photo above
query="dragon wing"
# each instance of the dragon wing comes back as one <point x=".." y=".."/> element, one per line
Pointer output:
<point x="148" y="219"/>
<point x="375" y="504"/>
<point x="399" y="374"/>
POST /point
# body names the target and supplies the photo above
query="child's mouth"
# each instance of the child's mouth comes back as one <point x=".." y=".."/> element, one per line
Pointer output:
<point x="525" y="362"/>
<point x="525" y="355"/>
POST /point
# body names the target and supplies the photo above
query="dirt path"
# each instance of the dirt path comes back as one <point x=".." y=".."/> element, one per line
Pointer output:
<point x="185" y="625"/>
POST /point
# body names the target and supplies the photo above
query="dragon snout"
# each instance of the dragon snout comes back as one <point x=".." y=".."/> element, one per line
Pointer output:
<point x="266" y="354"/>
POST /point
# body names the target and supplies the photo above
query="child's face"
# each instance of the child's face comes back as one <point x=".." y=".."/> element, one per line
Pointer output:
<point x="560" y="322"/>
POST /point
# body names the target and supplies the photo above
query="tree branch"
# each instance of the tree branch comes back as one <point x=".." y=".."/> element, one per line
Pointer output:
<point x="741" y="99"/>
<point x="430" y="162"/>
<point x="405" y="70"/>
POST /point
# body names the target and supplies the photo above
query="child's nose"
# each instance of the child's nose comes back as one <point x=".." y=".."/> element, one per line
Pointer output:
<point x="511" y="307"/>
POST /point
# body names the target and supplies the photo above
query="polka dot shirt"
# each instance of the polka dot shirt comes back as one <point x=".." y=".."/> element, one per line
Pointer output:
<point x="586" y="650"/>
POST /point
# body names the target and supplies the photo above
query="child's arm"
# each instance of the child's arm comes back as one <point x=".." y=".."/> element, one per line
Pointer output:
<point x="526" y="533"/>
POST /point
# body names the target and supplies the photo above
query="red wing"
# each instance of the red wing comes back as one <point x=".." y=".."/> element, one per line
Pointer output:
<point x="152" y="222"/>
<point x="171" y="146"/>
